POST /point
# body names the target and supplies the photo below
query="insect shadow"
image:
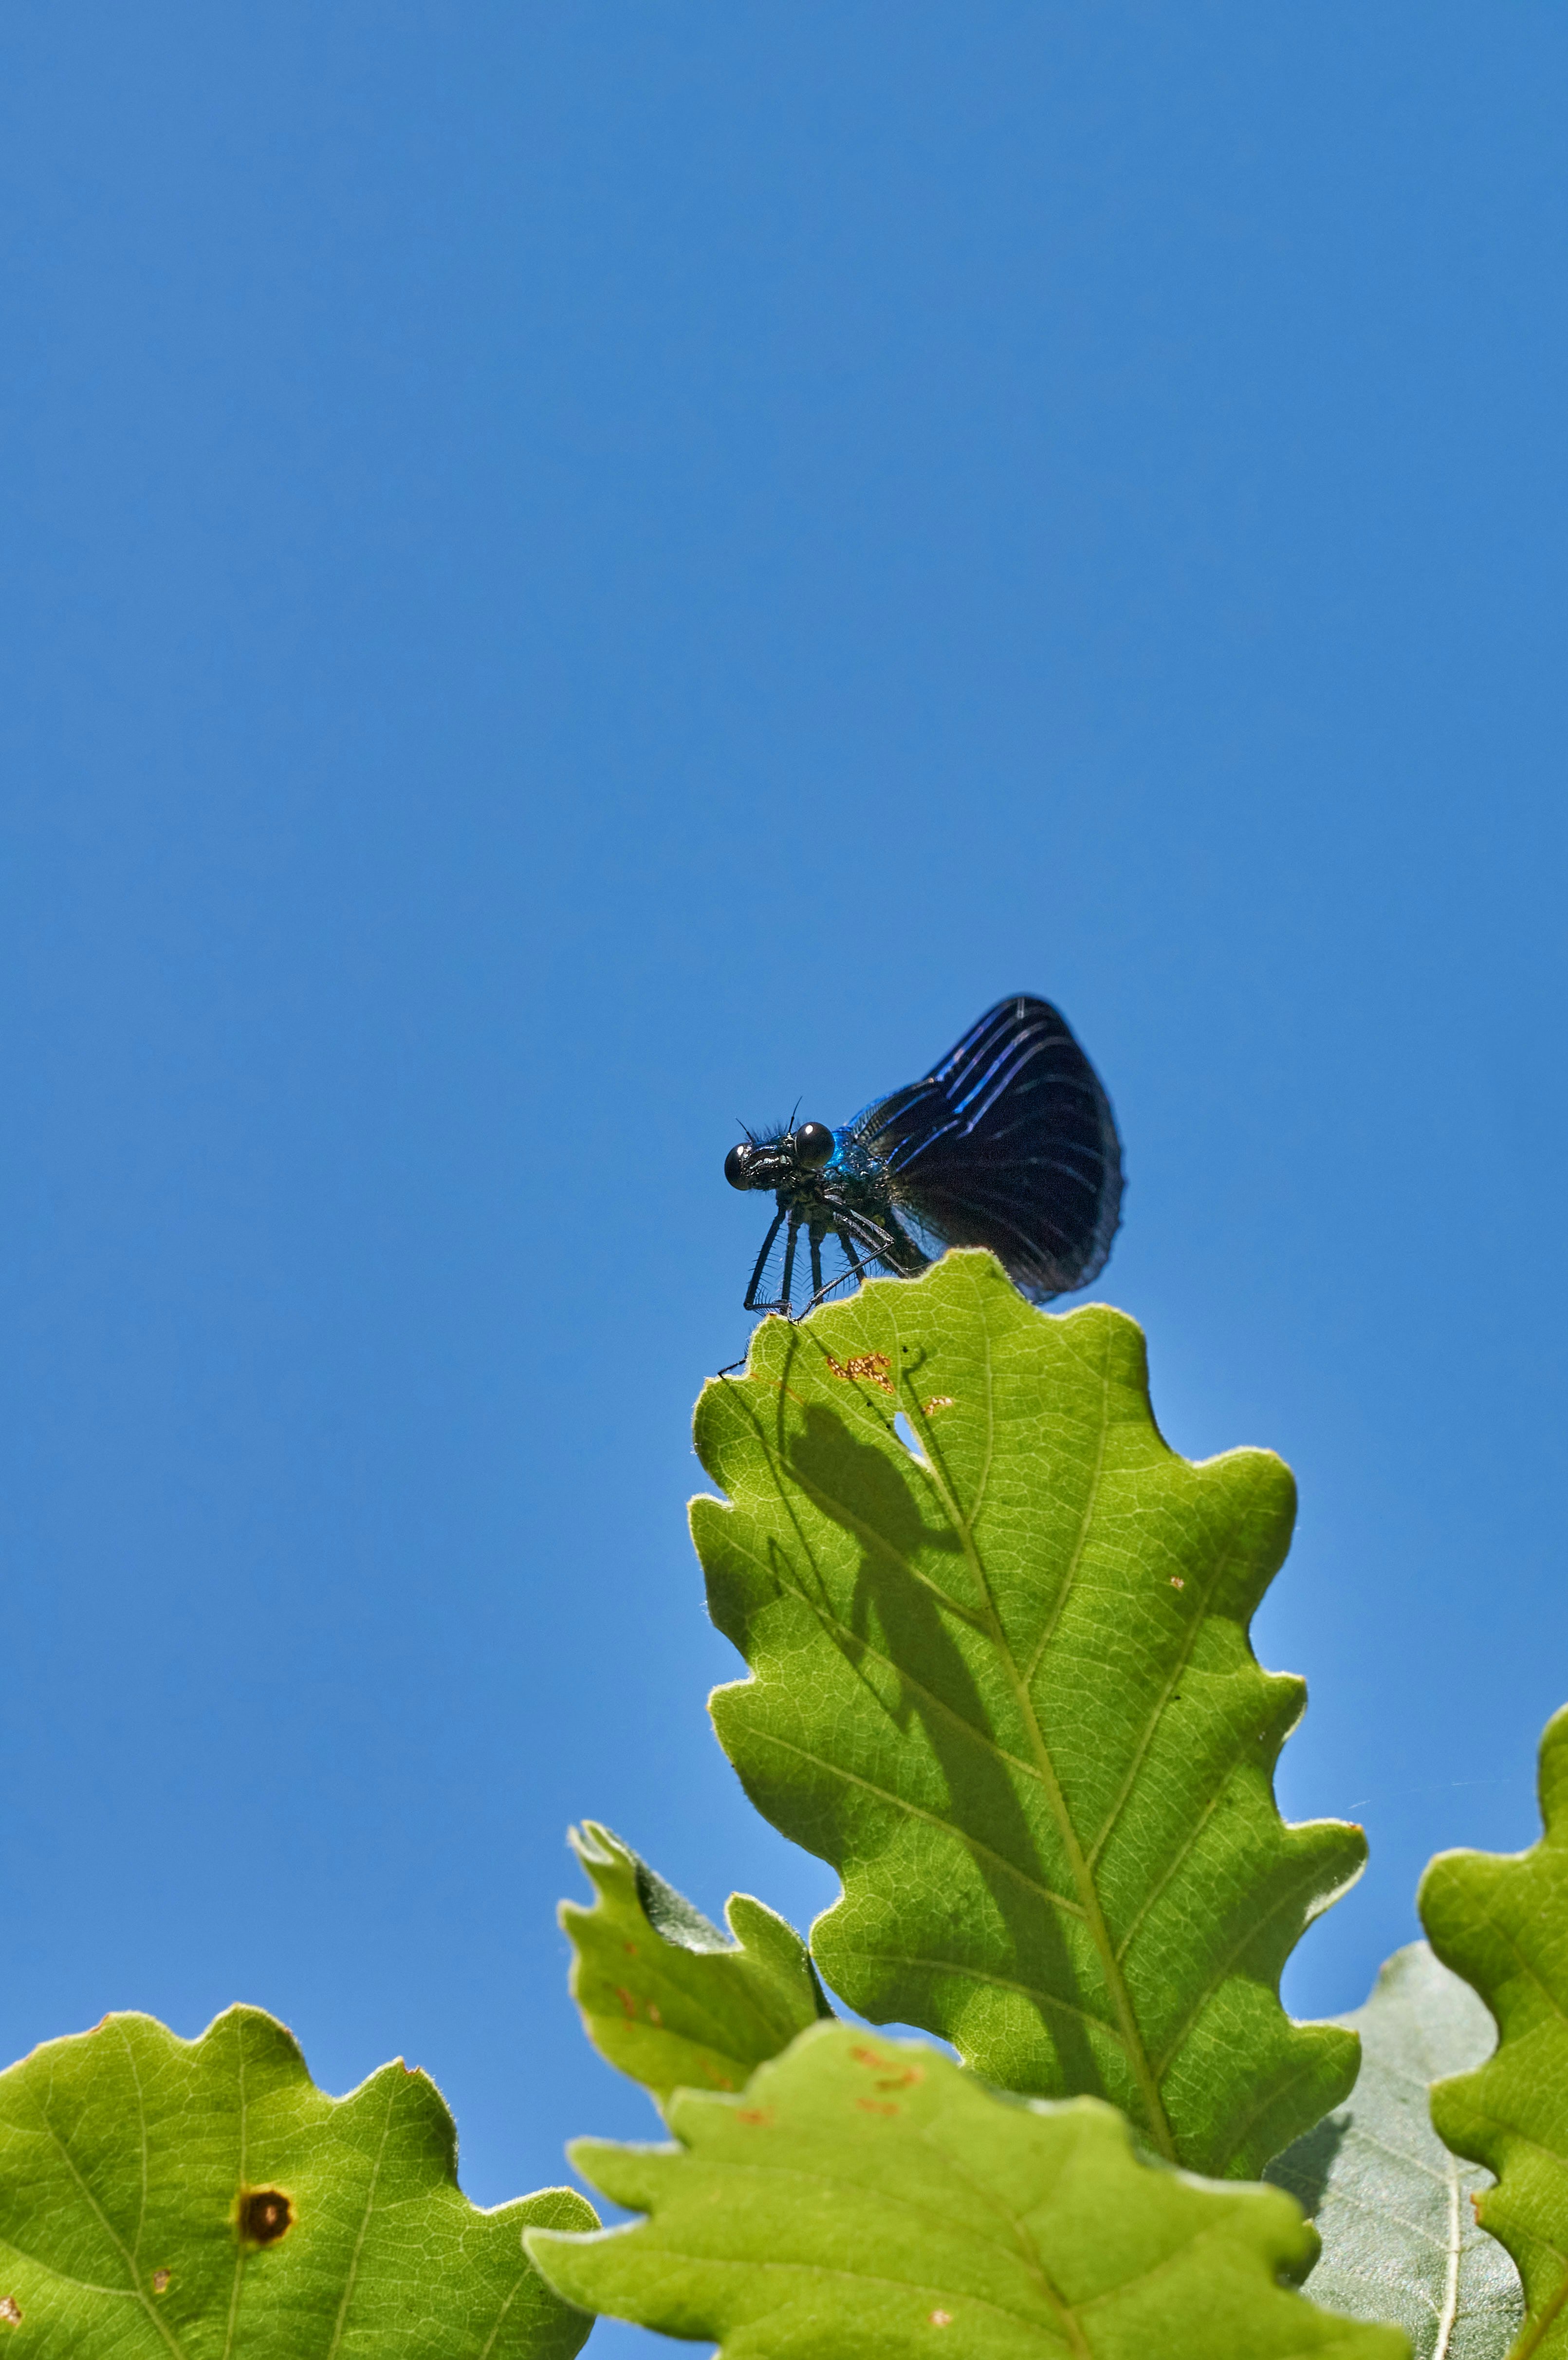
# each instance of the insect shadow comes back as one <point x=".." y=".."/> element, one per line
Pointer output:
<point x="936" y="1697"/>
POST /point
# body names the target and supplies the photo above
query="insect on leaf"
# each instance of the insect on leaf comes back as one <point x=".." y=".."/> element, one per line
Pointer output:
<point x="1501" y="1921"/>
<point x="664" y="1994"/>
<point x="1392" y="2206"/>
<point x="868" y="2196"/>
<point x="1003" y="1682"/>
<point x="161" y="2196"/>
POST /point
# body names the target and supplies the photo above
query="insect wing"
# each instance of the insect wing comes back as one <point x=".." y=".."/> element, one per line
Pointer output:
<point x="1010" y="1143"/>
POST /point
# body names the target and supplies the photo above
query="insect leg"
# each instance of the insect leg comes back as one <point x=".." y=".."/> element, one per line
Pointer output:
<point x="906" y="1258"/>
<point x="817" y="1234"/>
<point x="751" y="1303"/>
<point x="880" y="1243"/>
<point x="848" y="1242"/>
<point x="885" y="1241"/>
<point x="847" y="1227"/>
<point x="785" y="1285"/>
<point x="858" y="1268"/>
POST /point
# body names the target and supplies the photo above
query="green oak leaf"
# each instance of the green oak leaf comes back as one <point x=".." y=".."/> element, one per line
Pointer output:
<point x="664" y="1994"/>
<point x="1501" y="1921"/>
<point x="200" y="2199"/>
<point x="1002" y="1681"/>
<point x="870" y="2196"/>
<point x="1391" y="2206"/>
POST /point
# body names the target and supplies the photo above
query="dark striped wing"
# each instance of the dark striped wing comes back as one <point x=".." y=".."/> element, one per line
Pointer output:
<point x="1010" y="1142"/>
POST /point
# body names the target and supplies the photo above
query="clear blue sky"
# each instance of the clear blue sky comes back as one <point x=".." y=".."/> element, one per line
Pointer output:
<point x="575" y="573"/>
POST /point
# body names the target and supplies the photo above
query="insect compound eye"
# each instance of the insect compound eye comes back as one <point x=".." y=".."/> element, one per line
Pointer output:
<point x="813" y="1145"/>
<point x="738" y="1165"/>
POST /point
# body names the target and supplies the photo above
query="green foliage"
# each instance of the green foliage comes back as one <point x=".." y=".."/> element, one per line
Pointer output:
<point x="1392" y="2206"/>
<point x="1003" y="1683"/>
<point x="1000" y="1677"/>
<point x="161" y="2196"/>
<point x="1501" y="1921"/>
<point x="868" y="2196"/>
<point x="668" y="1997"/>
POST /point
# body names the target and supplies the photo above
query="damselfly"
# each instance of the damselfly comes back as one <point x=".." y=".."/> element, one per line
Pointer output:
<point x="1009" y="1143"/>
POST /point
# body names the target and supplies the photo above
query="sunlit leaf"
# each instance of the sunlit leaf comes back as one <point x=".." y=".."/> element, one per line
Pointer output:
<point x="1392" y="2206"/>
<point x="163" y="2197"/>
<point x="1002" y="1681"/>
<point x="1501" y="1921"/>
<point x="867" y="2196"/>
<point x="664" y="1994"/>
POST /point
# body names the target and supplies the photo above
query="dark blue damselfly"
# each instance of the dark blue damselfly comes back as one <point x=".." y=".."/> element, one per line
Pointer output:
<point x="1009" y="1143"/>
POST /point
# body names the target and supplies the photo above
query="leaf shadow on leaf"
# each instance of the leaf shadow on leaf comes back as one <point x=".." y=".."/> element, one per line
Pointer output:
<point x="1311" y="2161"/>
<point x="858" y="1488"/>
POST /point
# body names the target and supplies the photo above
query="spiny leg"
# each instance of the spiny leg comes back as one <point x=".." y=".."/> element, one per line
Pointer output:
<point x="817" y="1235"/>
<point x="884" y="1242"/>
<point x="893" y="1244"/>
<point x="846" y="1236"/>
<point x="856" y="1265"/>
<point x="787" y="1284"/>
<point x="751" y="1303"/>
<point x="879" y="1242"/>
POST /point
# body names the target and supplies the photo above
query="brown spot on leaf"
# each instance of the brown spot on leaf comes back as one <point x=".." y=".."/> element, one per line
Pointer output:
<point x="939" y="1401"/>
<point x="1176" y="1582"/>
<point x="653" y="2014"/>
<point x="875" y="2106"/>
<point x="890" y="2074"/>
<point x="759" y="2114"/>
<point x="159" y="2281"/>
<point x="11" y="2310"/>
<point x="264" y="2214"/>
<point x="873" y="1366"/>
<point x="941" y="2319"/>
<point x="629" y="2005"/>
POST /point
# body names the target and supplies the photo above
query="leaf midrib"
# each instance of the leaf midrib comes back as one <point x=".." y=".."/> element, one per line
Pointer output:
<point x="932" y="1818"/>
<point x="982" y="1738"/>
<point x="1042" y="1771"/>
<point x="1082" y="1874"/>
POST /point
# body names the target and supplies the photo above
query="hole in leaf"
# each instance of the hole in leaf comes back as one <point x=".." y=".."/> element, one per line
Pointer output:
<point x="265" y="2216"/>
<point x="909" y="1438"/>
